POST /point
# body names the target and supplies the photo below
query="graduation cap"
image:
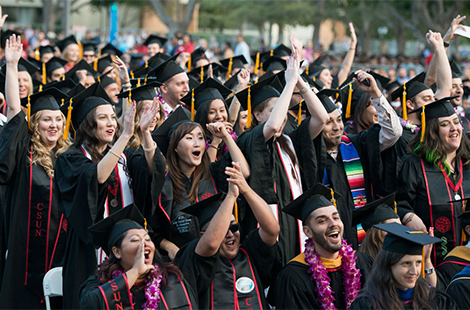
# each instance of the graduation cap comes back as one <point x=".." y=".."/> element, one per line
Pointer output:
<point x="75" y="90"/>
<point x="315" y="68"/>
<point x="193" y="83"/>
<point x="404" y="240"/>
<point x="53" y="64"/>
<point x="163" y="133"/>
<point x="275" y="63"/>
<point x="47" y="49"/>
<point x="410" y="89"/>
<point x="64" y="86"/>
<point x="392" y="85"/>
<point x="318" y="84"/>
<point x="144" y="92"/>
<point x="350" y="97"/>
<point x="375" y="212"/>
<point x="237" y="62"/>
<point x="439" y="108"/>
<point x="136" y="59"/>
<point x="316" y="197"/>
<point x="45" y="100"/>
<point x="25" y="65"/>
<point x="5" y="35"/>
<point x="202" y="72"/>
<point x="205" y="209"/>
<point x="198" y="54"/>
<point x="232" y="82"/>
<point x="166" y="70"/>
<point x="153" y="62"/>
<point x="456" y="71"/>
<point x="151" y="39"/>
<point x="81" y="65"/>
<point x="205" y="93"/>
<point x="108" y="230"/>
<point x="111" y="50"/>
<point x="62" y="44"/>
<point x="380" y="79"/>
<point x="89" y="46"/>
<point x="255" y="94"/>
<point x="281" y="51"/>
<point x="106" y="81"/>
<point x="324" y="96"/>
<point x="104" y="62"/>
<point x="300" y="108"/>
<point x="258" y="59"/>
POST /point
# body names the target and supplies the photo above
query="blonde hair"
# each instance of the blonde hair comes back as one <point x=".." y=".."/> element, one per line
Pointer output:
<point x="65" y="53"/>
<point x="136" y="140"/>
<point x="39" y="151"/>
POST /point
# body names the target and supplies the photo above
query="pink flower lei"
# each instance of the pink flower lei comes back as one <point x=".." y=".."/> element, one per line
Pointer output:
<point x="352" y="275"/>
<point x="152" y="287"/>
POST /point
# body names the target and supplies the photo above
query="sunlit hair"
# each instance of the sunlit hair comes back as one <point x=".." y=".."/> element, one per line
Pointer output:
<point x="39" y="150"/>
<point x="136" y="140"/>
<point x="66" y="52"/>
<point x="432" y="149"/>
<point x="380" y="287"/>
<point x="372" y="243"/>
<point x="30" y="81"/>
<point x="201" y="172"/>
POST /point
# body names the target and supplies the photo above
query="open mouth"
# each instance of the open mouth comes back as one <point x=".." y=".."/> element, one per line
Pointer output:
<point x="334" y="235"/>
<point x="110" y="131"/>
<point x="147" y="255"/>
<point x="454" y="136"/>
<point x="196" y="153"/>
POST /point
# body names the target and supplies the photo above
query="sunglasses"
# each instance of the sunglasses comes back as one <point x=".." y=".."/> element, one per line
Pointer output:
<point x="234" y="228"/>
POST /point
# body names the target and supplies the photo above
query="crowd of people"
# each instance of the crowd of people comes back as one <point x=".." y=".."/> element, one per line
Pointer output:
<point x="281" y="178"/>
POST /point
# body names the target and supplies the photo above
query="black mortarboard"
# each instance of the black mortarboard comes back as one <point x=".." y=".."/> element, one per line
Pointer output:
<point x="198" y="53"/>
<point x="89" y="46"/>
<point x="238" y="62"/>
<point x="375" y="212"/>
<point x="53" y="64"/>
<point x="413" y="87"/>
<point x="75" y="90"/>
<point x="274" y="63"/>
<point x="232" y="81"/>
<point x="136" y="59"/>
<point x="318" y="84"/>
<point x="439" y="108"/>
<point x="318" y="196"/>
<point x="104" y="62"/>
<point x="265" y="89"/>
<point x="456" y="71"/>
<point x="193" y="83"/>
<point x="380" y="79"/>
<point x="162" y="135"/>
<point x="144" y="92"/>
<point x="392" y="85"/>
<point x="166" y="70"/>
<point x="24" y="65"/>
<point x="155" y="39"/>
<point x="64" y="86"/>
<point x="324" y="96"/>
<point x="465" y="215"/>
<point x="350" y="96"/>
<point x="315" y="68"/>
<point x="62" y="44"/>
<point x="5" y="35"/>
<point x="106" y="81"/>
<point x="206" y="92"/>
<point x="152" y="63"/>
<point x="205" y="209"/>
<point x="108" y="230"/>
<point x="111" y="50"/>
<point x="196" y="72"/>
<point x="404" y="240"/>
<point x="281" y="50"/>
<point x="81" y="65"/>
<point x="48" y="99"/>
<point x="48" y="49"/>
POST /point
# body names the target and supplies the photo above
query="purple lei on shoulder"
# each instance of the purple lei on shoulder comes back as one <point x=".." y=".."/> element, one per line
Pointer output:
<point x="352" y="275"/>
<point x="152" y="287"/>
<point x="407" y="125"/>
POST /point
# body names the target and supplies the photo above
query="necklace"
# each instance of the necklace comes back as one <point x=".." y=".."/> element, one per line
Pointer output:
<point x="352" y="275"/>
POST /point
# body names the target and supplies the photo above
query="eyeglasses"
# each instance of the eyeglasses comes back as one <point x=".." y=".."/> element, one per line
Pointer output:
<point x="234" y="228"/>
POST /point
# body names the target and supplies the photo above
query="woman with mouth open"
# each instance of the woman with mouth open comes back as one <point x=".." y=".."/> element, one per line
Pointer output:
<point x="98" y="176"/>
<point x="134" y="274"/>
<point x="31" y="214"/>
<point x="190" y="178"/>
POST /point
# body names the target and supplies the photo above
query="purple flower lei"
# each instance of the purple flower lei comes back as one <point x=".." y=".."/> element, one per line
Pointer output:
<point x="407" y="125"/>
<point x="352" y="275"/>
<point x="152" y="287"/>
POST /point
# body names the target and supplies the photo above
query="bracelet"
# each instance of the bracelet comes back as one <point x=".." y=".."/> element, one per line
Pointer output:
<point x="352" y="49"/>
<point x="110" y="151"/>
<point x="215" y="147"/>
<point x="150" y="149"/>
<point x="408" y="219"/>
<point x="429" y="271"/>
<point x="446" y="44"/>
<point x="304" y="90"/>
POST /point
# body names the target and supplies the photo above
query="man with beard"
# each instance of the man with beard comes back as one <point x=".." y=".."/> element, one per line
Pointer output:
<point x="328" y="273"/>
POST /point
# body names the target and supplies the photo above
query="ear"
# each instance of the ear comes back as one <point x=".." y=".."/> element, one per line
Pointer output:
<point x="256" y="114"/>
<point x="467" y="229"/>
<point x="308" y="232"/>
<point x="409" y="105"/>
<point x="163" y="88"/>
<point x="117" y="252"/>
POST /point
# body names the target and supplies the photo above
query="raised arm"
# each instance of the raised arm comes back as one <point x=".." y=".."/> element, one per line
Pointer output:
<point x="443" y="71"/>
<point x="124" y="76"/>
<point x="349" y="58"/>
<point x="13" y="52"/>
<point x="243" y="78"/>
<point x="279" y="112"/>
<point x="149" y="145"/>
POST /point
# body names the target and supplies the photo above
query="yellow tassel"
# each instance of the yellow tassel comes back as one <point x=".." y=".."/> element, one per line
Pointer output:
<point x="261" y="72"/>
<point x="145" y="224"/>
<point x="299" y="114"/>
<point x="44" y="81"/>
<point x="132" y="74"/>
<point x="405" y="114"/>
<point x="80" y="48"/>
<point x="99" y="79"/>
<point x="333" y="200"/>
<point x="145" y="80"/>
<point x="348" y="107"/>
<point x="202" y="74"/>
<point x="256" y="80"/>
<point x="95" y="64"/>
<point x="423" y="123"/>
<point x="422" y="265"/>
<point x="464" y="206"/>
<point x="130" y="97"/>
<point x="62" y="102"/>
<point x="138" y="82"/>
<point x="192" y="105"/>
<point x="313" y="78"/>
<point x="40" y="88"/>
<point x="257" y="63"/>
<point x="99" y="54"/>
<point x="29" y="113"/>
<point x="146" y="64"/>
<point x="63" y="77"/>
<point x="306" y="71"/>
<point x="36" y="54"/>
<point x="395" y="207"/>
<point x="189" y="64"/>
<point x="248" y="103"/>
<point x="230" y="64"/>
<point x="68" y="121"/>
<point x="271" y="53"/>
<point x="236" y="212"/>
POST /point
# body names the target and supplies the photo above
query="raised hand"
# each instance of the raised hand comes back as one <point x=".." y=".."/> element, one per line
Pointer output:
<point x="293" y="64"/>
<point x="218" y="130"/>
<point x="148" y="117"/>
<point x="237" y="178"/>
<point x="2" y="17"/>
<point x="243" y="77"/>
<point x="139" y="261"/>
<point x="128" y="129"/>
<point x="13" y="49"/>
<point x="296" y="42"/>
<point x="353" y="35"/>
<point x="373" y="89"/>
<point x="454" y="25"/>
<point x="122" y="69"/>
<point x="434" y="39"/>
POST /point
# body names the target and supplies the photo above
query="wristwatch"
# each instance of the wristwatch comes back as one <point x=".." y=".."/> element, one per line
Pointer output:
<point x="446" y="44"/>
<point x="429" y="271"/>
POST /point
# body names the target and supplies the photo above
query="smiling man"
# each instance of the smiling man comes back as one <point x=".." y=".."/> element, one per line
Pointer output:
<point x="328" y="273"/>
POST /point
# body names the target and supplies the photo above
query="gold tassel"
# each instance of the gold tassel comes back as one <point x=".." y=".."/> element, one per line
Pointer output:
<point x="95" y="64"/>
<point x="138" y="82"/>
<point x="230" y="64"/>
<point x="99" y="79"/>
<point x="271" y="53"/>
<point x="130" y="97"/>
<point x="405" y="114"/>
<point x="145" y="80"/>
<point x="192" y="105"/>
<point x="422" y="265"/>
<point x="236" y="212"/>
<point x="44" y="81"/>
<point x="306" y="71"/>
<point x="63" y="77"/>
<point x="146" y="64"/>
<point x="202" y="74"/>
<point x="261" y="72"/>
<point x="29" y="112"/>
<point x="464" y="206"/>
<point x="333" y="200"/>
<point x="40" y="88"/>
<point x="99" y="54"/>
<point x="299" y="114"/>
<point x="248" y="103"/>
<point x="145" y="225"/>
<point x="68" y="121"/>
<point x="395" y="207"/>
<point x="257" y="63"/>
<point x="189" y="64"/>
<point x="348" y="107"/>
<point x="80" y="48"/>
<point x="423" y="123"/>
<point x="314" y="78"/>
<point x="36" y="54"/>
<point x="132" y="74"/>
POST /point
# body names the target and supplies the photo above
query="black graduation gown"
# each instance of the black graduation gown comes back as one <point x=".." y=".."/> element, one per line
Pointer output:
<point x="290" y="125"/>
<point x="452" y="264"/>
<point x="269" y="180"/>
<point x="459" y="289"/>
<point x="82" y="199"/>
<point x="414" y="186"/>
<point x="35" y="225"/>
<point x="295" y="290"/>
<point x="212" y="277"/>
<point x="402" y="145"/>
<point x="441" y="300"/>
<point x="176" y="295"/>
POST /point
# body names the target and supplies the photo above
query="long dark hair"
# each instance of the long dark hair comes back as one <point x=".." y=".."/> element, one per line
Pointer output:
<point x="372" y="242"/>
<point x="432" y="149"/>
<point x="359" y="114"/>
<point x="112" y="264"/>
<point x="202" y="172"/>
<point x="380" y="287"/>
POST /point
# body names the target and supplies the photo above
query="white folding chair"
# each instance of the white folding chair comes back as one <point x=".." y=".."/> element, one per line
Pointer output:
<point x="52" y="285"/>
